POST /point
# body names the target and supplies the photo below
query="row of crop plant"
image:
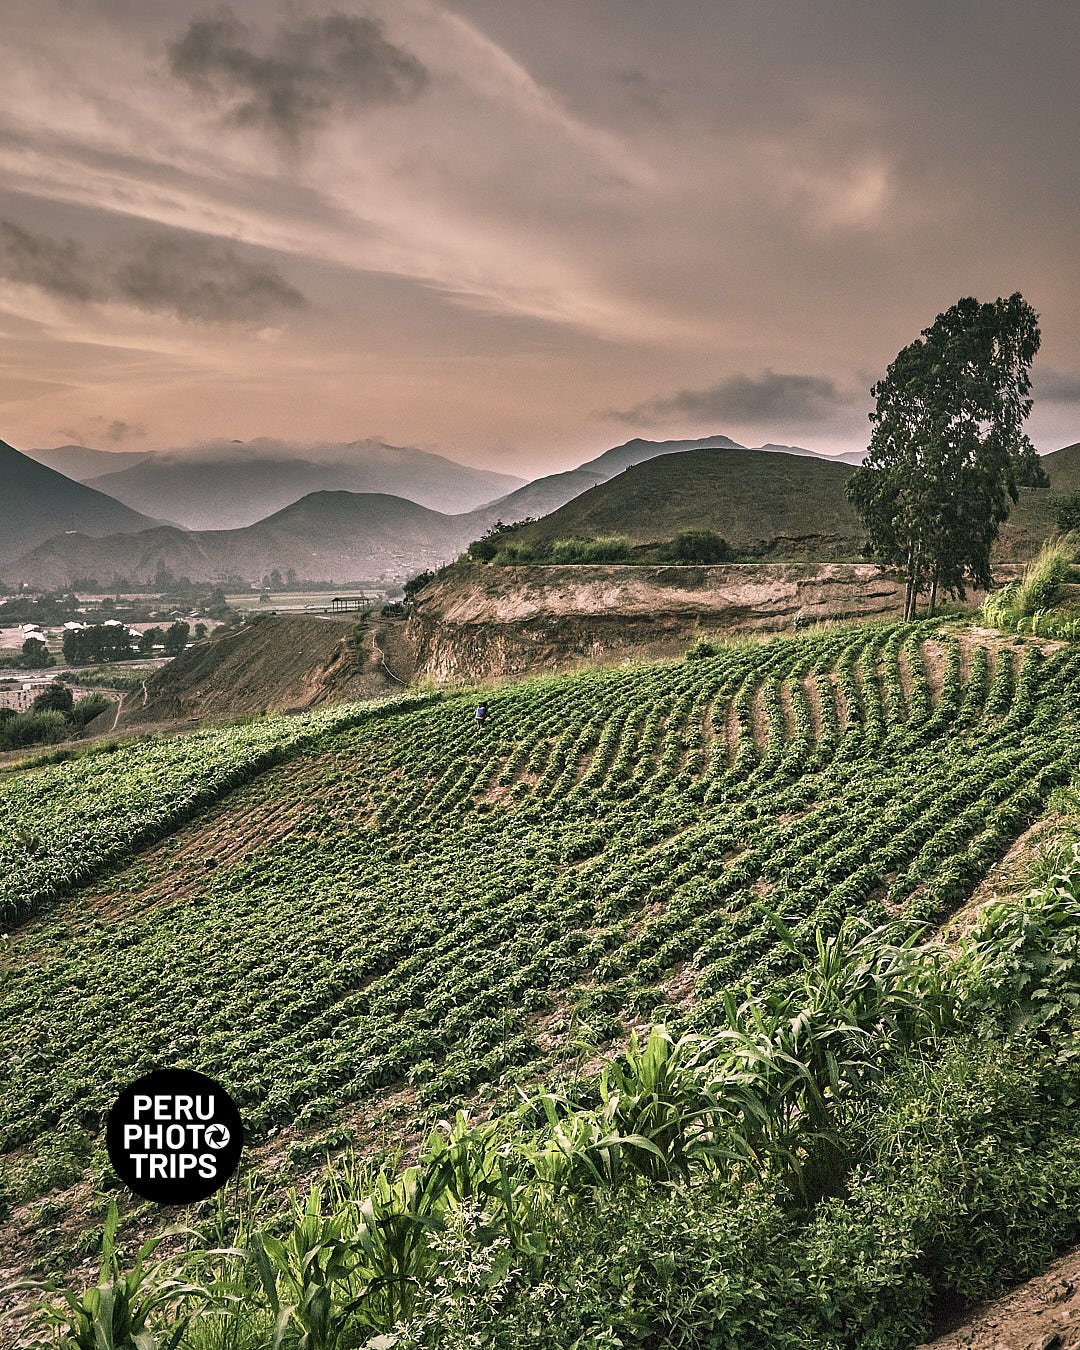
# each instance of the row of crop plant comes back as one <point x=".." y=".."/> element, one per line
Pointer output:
<point x="895" y="1130"/>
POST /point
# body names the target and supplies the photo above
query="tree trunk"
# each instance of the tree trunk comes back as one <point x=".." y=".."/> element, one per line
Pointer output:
<point x="933" y="596"/>
<point x="911" y="600"/>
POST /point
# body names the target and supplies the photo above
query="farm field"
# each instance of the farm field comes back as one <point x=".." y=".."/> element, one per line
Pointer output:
<point x="383" y="907"/>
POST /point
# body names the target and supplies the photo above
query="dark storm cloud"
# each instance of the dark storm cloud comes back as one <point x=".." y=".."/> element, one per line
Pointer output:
<point x="769" y="397"/>
<point x="307" y="71"/>
<point x="1056" y="386"/>
<point x="201" y="280"/>
<point x="56" y="265"/>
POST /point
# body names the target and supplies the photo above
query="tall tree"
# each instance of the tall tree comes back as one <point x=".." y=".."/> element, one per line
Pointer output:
<point x="176" y="638"/>
<point x="948" y="452"/>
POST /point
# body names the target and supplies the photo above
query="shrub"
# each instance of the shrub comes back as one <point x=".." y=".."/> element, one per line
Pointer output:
<point x="88" y="708"/>
<point x="1067" y="512"/>
<point x="1007" y="607"/>
<point x="34" y="728"/>
<point x="697" y="546"/>
<point x="609" y="549"/>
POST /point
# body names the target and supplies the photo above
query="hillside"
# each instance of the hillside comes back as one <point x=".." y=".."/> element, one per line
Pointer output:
<point x="545" y="495"/>
<point x="331" y="536"/>
<point x="535" y="499"/>
<point x="504" y="622"/>
<point x="361" y="918"/>
<point x="36" y="502"/>
<point x="637" y="451"/>
<point x="1032" y="519"/>
<point x="787" y="503"/>
<point x="780" y="503"/>
<point x="270" y="663"/>
<point x="227" y="485"/>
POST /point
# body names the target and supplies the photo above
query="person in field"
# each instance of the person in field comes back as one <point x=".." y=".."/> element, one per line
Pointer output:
<point x="481" y="714"/>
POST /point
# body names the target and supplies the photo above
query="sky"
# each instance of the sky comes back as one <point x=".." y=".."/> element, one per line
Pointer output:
<point x="516" y="234"/>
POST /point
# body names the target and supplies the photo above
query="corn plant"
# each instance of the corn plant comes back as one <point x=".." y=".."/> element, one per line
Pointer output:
<point x="119" y="1312"/>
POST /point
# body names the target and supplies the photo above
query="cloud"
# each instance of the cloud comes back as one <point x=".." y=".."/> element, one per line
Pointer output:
<point x="307" y="71"/>
<point x="103" y="428"/>
<point x="769" y="397"/>
<point x="197" y="279"/>
<point x="645" y="94"/>
<point x="56" y="265"/>
<point x="1056" y="386"/>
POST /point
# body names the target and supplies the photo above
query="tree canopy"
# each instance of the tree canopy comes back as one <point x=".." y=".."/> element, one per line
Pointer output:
<point x="948" y="452"/>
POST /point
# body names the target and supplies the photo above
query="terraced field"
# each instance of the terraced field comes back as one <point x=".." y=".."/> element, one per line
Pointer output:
<point x="391" y="904"/>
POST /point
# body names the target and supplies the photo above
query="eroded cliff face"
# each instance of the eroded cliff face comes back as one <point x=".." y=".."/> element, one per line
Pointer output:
<point x="496" y="622"/>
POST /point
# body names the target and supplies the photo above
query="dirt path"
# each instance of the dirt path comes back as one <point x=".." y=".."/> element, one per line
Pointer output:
<point x="1043" y="1314"/>
<point x="381" y="655"/>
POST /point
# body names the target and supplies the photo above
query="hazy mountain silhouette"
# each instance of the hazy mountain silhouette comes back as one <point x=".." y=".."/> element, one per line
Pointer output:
<point x="326" y="536"/>
<point x="83" y="462"/>
<point x="227" y="484"/>
<point x="36" y="503"/>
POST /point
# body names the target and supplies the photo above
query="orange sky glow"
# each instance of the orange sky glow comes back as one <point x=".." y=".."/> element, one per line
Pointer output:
<point x="513" y="234"/>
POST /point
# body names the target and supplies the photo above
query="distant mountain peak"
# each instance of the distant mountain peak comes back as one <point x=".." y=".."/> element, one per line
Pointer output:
<point x="39" y="499"/>
<point x="229" y="483"/>
<point x="638" y="450"/>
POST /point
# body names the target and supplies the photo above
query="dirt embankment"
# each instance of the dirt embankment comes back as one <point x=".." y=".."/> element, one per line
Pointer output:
<point x="483" y="623"/>
<point x="271" y="663"/>
<point x="495" y="622"/>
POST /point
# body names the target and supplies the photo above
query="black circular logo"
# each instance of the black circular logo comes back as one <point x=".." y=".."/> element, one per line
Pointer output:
<point x="174" y="1136"/>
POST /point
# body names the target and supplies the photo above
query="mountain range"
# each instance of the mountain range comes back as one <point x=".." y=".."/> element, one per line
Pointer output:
<point x="786" y="501"/>
<point x="224" y="485"/>
<point x="326" y="536"/>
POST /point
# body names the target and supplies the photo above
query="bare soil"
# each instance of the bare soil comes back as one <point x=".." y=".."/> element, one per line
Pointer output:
<point x="1042" y="1314"/>
<point x="933" y="659"/>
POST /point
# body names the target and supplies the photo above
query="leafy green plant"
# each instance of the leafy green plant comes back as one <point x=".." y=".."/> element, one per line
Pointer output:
<point x="1021" y="963"/>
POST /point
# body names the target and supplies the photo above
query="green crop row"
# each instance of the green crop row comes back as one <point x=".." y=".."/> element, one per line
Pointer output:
<point x="388" y="904"/>
<point x="894" y="1132"/>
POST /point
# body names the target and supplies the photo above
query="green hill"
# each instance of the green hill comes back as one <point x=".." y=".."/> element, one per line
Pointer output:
<point x="775" y="504"/>
<point x="359" y="918"/>
<point x="1032" y="519"/>
<point x="780" y="504"/>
